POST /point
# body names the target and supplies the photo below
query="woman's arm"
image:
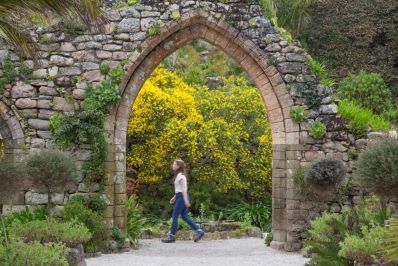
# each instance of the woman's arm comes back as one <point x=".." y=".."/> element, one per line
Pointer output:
<point x="173" y="199"/>
<point x="183" y="183"/>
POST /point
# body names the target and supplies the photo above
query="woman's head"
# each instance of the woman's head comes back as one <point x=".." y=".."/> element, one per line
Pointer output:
<point x="178" y="166"/>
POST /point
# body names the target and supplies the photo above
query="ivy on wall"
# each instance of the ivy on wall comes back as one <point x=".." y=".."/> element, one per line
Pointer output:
<point x="87" y="126"/>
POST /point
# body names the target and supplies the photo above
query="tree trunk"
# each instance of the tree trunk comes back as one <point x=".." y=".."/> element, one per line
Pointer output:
<point x="49" y="204"/>
<point x="4" y="230"/>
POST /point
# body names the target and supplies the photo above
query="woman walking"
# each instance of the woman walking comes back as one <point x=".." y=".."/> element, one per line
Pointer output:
<point x="181" y="204"/>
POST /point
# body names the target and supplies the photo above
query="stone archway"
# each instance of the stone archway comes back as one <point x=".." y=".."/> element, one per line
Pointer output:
<point x="266" y="78"/>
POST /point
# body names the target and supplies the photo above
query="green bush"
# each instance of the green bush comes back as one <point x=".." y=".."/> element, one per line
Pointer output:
<point x="298" y="114"/>
<point x="390" y="247"/>
<point x="135" y="221"/>
<point x="317" y="130"/>
<point x="325" y="172"/>
<point x="71" y="233"/>
<point x="104" y="69"/>
<point x="377" y="167"/>
<point x="363" y="250"/>
<point x="33" y="254"/>
<point x="268" y="239"/>
<point x="361" y="119"/>
<point x="75" y="210"/>
<point x="259" y="214"/>
<point x="118" y="236"/>
<point x="368" y="90"/>
<point x="320" y="72"/>
<point x="347" y="231"/>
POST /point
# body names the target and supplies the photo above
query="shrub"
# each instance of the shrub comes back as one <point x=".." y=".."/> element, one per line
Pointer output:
<point x="361" y="119"/>
<point x="325" y="172"/>
<point x="75" y="210"/>
<point x="118" y="236"/>
<point x="268" y="239"/>
<point x="367" y="90"/>
<point x="299" y="180"/>
<point x="390" y="247"/>
<point x="377" y="167"/>
<point x="317" y="130"/>
<point x="33" y="254"/>
<point x="51" y="170"/>
<point x="363" y="250"/>
<point x="320" y="72"/>
<point x="354" y="226"/>
<point x="298" y="114"/>
<point x="104" y="69"/>
<point x="258" y="214"/>
<point x="71" y="233"/>
<point x="135" y="221"/>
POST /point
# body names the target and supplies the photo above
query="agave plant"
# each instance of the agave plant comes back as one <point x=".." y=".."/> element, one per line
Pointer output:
<point x="16" y="15"/>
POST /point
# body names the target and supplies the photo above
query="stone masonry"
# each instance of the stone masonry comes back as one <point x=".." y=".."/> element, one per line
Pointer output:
<point x="69" y="63"/>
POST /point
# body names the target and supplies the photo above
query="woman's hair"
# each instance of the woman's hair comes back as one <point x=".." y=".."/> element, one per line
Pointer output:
<point x="181" y="167"/>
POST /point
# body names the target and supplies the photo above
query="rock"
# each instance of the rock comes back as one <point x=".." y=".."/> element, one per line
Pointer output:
<point x="61" y="60"/>
<point x="88" y="187"/>
<point x="44" y="104"/>
<point x="213" y="82"/>
<point x="119" y="55"/>
<point x="112" y="245"/>
<point x="76" y="256"/>
<point x="26" y="103"/>
<point x="89" y="45"/>
<point x="57" y="198"/>
<point x="22" y="90"/>
<point x="37" y="143"/>
<point x="30" y="113"/>
<point x="328" y="109"/>
<point x="289" y="67"/>
<point x="67" y="47"/>
<point x="33" y="198"/>
<point x="129" y="25"/>
<point x="45" y="114"/>
<point x="112" y="47"/>
<point x="313" y="155"/>
<point x="40" y="73"/>
<point x="93" y="75"/>
<point x="90" y="66"/>
<point x="48" y="91"/>
<point x="70" y="71"/>
<point x="53" y="71"/>
<point x="296" y="57"/>
<point x="60" y="104"/>
<point x="79" y="94"/>
<point x="377" y="135"/>
<point x="44" y="134"/>
<point x="39" y="124"/>
<point x="104" y="54"/>
<point x="361" y="144"/>
<point x="273" y="47"/>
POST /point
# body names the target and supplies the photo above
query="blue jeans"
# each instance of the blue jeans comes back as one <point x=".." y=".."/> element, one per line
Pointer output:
<point x="181" y="209"/>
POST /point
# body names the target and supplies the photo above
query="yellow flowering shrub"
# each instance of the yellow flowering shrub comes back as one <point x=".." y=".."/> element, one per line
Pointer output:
<point x="222" y="134"/>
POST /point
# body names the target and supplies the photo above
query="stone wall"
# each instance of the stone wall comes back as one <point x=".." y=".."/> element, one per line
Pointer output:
<point x="69" y="62"/>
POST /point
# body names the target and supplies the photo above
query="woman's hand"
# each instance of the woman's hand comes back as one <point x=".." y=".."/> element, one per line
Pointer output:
<point x="187" y="204"/>
<point x="172" y="200"/>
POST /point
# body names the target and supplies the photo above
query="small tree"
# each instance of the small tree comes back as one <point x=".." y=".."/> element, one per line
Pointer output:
<point x="11" y="177"/>
<point x="51" y="170"/>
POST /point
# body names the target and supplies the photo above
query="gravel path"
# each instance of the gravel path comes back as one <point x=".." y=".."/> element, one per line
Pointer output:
<point x="232" y="252"/>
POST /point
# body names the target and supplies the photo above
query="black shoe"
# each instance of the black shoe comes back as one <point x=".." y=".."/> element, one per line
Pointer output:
<point x="169" y="239"/>
<point x="199" y="236"/>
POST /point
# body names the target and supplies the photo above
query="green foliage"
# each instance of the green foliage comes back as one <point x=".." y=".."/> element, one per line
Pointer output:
<point x="290" y="14"/>
<point x="298" y="114"/>
<point x="390" y="246"/>
<point x="74" y="29"/>
<point x="96" y="203"/>
<point x="325" y="172"/>
<point x="76" y="211"/>
<point x="51" y="170"/>
<point x="175" y="15"/>
<point x="135" y="221"/>
<point x="9" y="73"/>
<point x="361" y="119"/>
<point x="71" y="233"/>
<point x="377" y="167"/>
<point x="104" y="69"/>
<point x="268" y="239"/>
<point x="317" y="130"/>
<point x="320" y="72"/>
<point x="87" y="126"/>
<point x="33" y="254"/>
<point x="153" y="30"/>
<point x="308" y="91"/>
<point x="349" y="36"/>
<point x="367" y="90"/>
<point x="255" y="214"/>
<point x="364" y="249"/>
<point x="132" y="2"/>
<point x="332" y="232"/>
<point x="118" y="236"/>
<point x="299" y="180"/>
